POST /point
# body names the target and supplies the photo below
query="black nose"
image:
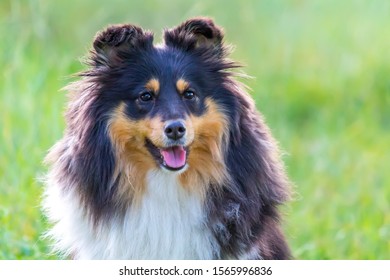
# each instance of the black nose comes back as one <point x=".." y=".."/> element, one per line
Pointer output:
<point x="175" y="130"/>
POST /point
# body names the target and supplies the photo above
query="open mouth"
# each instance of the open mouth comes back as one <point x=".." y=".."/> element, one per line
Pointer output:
<point x="173" y="158"/>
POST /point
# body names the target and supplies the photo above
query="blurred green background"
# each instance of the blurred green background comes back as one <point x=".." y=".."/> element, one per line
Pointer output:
<point x="321" y="78"/>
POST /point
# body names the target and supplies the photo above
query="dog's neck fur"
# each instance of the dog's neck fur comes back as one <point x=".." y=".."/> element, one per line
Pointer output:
<point x="169" y="223"/>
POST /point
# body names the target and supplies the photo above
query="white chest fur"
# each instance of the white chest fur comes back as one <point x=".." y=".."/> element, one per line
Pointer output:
<point x="169" y="223"/>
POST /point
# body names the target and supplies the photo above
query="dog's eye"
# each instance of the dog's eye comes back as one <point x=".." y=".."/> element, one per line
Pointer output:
<point x="146" y="96"/>
<point x="189" y="94"/>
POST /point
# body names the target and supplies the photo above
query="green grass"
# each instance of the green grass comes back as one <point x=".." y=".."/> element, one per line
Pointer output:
<point x="322" y="80"/>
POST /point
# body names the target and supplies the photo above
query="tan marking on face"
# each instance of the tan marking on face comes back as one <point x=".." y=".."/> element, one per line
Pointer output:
<point x="206" y="137"/>
<point x="182" y="85"/>
<point x="153" y="85"/>
<point x="133" y="158"/>
<point x="206" y="163"/>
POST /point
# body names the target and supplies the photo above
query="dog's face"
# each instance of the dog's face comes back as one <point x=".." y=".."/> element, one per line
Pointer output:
<point x="165" y="105"/>
<point x="161" y="109"/>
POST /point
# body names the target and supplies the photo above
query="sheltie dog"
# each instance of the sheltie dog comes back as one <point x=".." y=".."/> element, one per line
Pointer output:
<point x="164" y="155"/>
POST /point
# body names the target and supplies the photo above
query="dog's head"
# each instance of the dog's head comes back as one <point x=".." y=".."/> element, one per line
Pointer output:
<point x="143" y="107"/>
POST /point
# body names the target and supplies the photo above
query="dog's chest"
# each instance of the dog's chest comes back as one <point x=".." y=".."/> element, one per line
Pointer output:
<point x="168" y="224"/>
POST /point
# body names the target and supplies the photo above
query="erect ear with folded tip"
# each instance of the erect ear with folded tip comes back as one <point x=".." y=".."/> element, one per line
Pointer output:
<point x="111" y="43"/>
<point x="195" y="33"/>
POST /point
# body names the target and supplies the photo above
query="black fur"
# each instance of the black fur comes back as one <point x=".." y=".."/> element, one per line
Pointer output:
<point x="246" y="212"/>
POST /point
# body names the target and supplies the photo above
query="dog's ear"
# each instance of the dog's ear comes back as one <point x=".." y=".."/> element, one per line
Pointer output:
<point x="111" y="44"/>
<point x="195" y="33"/>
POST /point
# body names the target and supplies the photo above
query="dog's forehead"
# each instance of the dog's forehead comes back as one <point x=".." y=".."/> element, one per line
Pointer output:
<point x="168" y="62"/>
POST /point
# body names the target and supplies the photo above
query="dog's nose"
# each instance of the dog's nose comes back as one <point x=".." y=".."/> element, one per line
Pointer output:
<point x="175" y="130"/>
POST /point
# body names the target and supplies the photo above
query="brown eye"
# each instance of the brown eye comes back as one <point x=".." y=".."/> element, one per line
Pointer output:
<point x="189" y="94"/>
<point x="146" y="96"/>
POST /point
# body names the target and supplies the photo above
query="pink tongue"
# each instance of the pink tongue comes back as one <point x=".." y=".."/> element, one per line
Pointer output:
<point x="174" y="157"/>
